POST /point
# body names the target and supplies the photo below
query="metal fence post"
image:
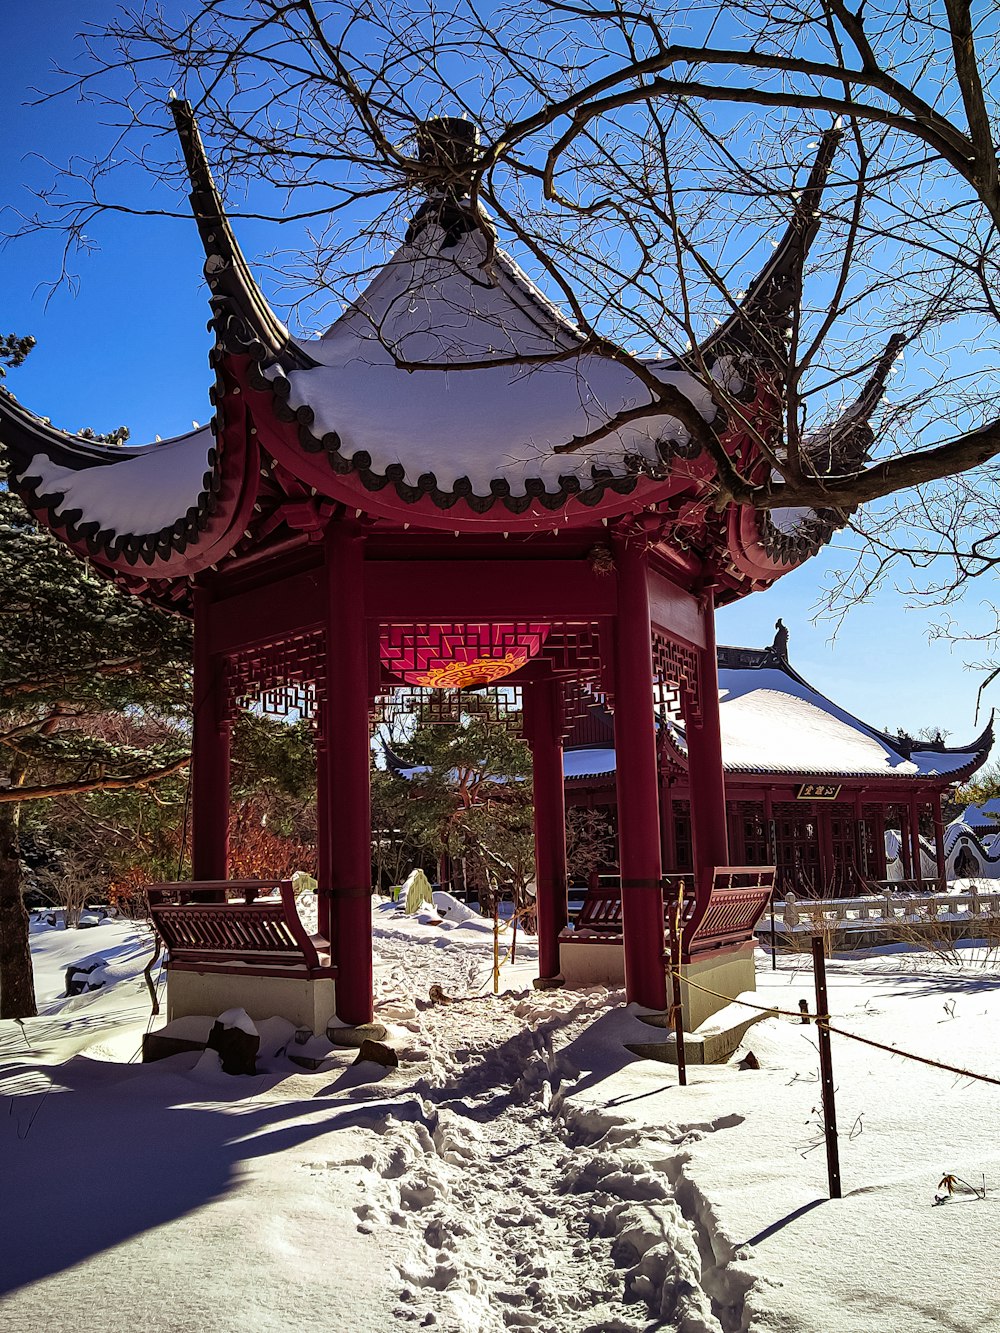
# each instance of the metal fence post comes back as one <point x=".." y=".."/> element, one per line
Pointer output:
<point x="675" y="919"/>
<point x="826" y="1067"/>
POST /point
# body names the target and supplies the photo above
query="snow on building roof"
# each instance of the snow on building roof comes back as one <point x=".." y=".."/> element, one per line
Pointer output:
<point x="141" y="491"/>
<point x="441" y="304"/>
<point x="589" y="763"/>
<point x="775" y="722"/>
<point x="772" y="720"/>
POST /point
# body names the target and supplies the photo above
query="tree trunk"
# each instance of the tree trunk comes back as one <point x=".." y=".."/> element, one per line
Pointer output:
<point x="17" y="987"/>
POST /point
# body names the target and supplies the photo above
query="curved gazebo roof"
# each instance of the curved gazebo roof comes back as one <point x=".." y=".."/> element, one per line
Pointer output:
<point x="452" y="395"/>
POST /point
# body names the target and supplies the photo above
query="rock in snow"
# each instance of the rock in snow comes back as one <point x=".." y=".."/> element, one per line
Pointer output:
<point x="237" y="1042"/>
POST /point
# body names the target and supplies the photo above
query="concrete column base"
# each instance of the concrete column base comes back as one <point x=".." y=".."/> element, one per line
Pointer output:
<point x="602" y="963"/>
<point x="711" y="1044"/>
<point x="729" y="974"/>
<point x="592" y="963"/>
<point x="308" y="1003"/>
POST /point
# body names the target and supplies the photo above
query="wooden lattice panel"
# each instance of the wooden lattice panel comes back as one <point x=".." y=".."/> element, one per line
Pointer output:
<point x="677" y="678"/>
<point x="574" y="647"/>
<point x="282" y="679"/>
<point x="501" y="706"/>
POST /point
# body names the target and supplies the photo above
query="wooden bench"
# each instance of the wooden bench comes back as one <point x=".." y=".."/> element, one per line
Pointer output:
<point x="727" y="922"/>
<point x="717" y="936"/>
<point x="239" y="940"/>
<point x="600" y="912"/>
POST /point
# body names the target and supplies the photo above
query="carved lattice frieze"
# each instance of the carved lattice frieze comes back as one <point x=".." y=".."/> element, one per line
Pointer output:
<point x="459" y="656"/>
<point x="282" y="679"/>
<point x="501" y="706"/>
<point x="676" y="678"/>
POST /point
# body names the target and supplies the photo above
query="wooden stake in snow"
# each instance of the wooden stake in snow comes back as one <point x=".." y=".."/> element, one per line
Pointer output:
<point x="496" y="948"/>
<point x="676" y="919"/>
<point x="826" y="1068"/>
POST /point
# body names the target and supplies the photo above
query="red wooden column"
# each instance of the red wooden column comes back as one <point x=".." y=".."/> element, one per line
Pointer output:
<point x="905" y="849"/>
<point x="860" y="850"/>
<point x="914" y="813"/>
<point x="638" y="804"/>
<point x="708" y="784"/>
<point x="348" y="784"/>
<point x="543" y="728"/>
<point x="668" y="839"/>
<point x="942" y="867"/>
<point x="209" y="752"/>
<point x="770" y="838"/>
<point x="881" y="870"/>
<point x="824" y="833"/>
<point x="324" y="840"/>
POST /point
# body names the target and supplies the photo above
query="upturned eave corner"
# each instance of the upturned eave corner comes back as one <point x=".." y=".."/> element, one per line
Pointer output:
<point x="242" y="317"/>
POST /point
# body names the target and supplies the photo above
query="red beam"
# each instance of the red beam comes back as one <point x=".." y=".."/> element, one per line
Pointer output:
<point x="674" y="610"/>
<point x="456" y="590"/>
<point x="268" y="612"/>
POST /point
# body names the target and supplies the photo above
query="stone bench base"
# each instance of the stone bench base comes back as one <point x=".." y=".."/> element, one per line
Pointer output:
<point x="601" y="962"/>
<point x="306" y="1002"/>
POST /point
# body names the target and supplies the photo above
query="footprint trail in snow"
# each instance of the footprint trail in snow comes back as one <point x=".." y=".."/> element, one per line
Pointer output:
<point x="502" y="1207"/>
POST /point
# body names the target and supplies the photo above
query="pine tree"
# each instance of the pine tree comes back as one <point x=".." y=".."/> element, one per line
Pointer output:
<point x="94" y="696"/>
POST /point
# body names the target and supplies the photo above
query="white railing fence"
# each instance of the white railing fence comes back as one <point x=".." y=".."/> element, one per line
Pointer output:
<point x="887" y="911"/>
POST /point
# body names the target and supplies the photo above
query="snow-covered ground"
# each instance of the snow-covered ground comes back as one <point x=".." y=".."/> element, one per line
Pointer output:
<point x="520" y="1169"/>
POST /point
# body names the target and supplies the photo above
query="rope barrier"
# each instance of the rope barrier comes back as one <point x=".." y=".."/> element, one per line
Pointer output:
<point x="772" y="1012"/>
<point x="909" y="1055"/>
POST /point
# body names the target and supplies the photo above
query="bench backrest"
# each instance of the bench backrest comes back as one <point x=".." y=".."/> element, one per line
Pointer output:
<point x="740" y="895"/>
<point x="214" y="890"/>
<point x="601" y="910"/>
<point x="266" y="931"/>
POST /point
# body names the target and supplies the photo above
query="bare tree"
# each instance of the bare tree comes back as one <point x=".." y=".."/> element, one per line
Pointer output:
<point x="70" y="882"/>
<point x="641" y="162"/>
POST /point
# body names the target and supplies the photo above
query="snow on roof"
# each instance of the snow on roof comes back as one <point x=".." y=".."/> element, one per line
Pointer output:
<point x="144" y="491"/>
<point x="464" y="304"/>
<point x="588" y="763"/>
<point x="774" y="722"/>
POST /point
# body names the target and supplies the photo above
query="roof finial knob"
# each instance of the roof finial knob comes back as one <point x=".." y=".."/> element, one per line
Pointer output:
<point x="447" y="149"/>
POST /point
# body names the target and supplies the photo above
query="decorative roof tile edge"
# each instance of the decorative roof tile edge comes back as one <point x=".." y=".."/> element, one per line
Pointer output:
<point x="849" y="439"/>
<point x="360" y="463"/>
<point x="235" y="295"/>
<point x="27" y="436"/>
<point x="772" y="293"/>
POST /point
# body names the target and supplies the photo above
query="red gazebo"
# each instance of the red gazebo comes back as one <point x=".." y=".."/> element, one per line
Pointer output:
<point x="349" y="523"/>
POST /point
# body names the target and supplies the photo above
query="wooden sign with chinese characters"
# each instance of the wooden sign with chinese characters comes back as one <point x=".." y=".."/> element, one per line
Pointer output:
<point x="818" y="791"/>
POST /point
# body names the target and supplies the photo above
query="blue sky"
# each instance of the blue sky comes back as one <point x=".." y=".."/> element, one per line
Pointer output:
<point x="130" y="347"/>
